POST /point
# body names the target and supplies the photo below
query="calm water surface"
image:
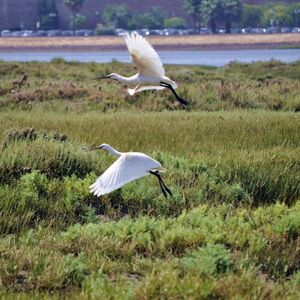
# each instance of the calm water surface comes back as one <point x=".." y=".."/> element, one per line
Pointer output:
<point x="213" y="57"/>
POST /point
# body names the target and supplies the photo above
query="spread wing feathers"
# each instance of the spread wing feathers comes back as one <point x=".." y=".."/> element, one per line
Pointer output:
<point x="143" y="55"/>
<point x="125" y="169"/>
<point x="137" y="89"/>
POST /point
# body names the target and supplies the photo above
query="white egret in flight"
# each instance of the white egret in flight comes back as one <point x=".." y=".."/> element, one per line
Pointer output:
<point x="151" y="73"/>
<point x="128" y="167"/>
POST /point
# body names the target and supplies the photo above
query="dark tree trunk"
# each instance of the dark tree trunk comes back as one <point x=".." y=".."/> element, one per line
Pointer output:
<point x="73" y="22"/>
<point x="199" y="26"/>
<point x="213" y="26"/>
<point x="195" y="24"/>
<point x="228" y="26"/>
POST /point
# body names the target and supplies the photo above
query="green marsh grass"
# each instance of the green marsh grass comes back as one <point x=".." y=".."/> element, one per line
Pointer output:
<point x="231" y="229"/>
<point x="64" y="86"/>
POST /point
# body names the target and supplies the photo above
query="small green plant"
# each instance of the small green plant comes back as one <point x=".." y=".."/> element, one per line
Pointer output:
<point x="75" y="269"/>
<point x="210" y="260"/>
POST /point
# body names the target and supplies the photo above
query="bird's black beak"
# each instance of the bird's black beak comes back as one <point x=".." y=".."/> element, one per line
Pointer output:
<point x="102" y="77"/>
<point x="90" y="148"/>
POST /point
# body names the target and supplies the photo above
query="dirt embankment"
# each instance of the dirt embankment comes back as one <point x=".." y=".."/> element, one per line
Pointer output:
<point x="199" y="42"/>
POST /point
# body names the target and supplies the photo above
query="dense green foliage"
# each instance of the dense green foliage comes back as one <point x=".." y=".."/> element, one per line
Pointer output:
<point x="120" y="16"/>
<point x="217" y="12"/>
<point x="252" y="16"/>
<point x="281" y="15"/>
<point x="79" y="21"/>
<point x="231" y="229"/>
<point x="213" y="14"/>
<point x="193" y="8"/>
<point x="75" y="6"/>
<point x="224" y="13"/>
<point x="175" y="22"/>
<point x="210" y="13"/>
<point x="48" y="14"/>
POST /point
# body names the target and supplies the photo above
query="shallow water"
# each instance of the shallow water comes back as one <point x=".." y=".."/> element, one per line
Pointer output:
<point x="213" y="57"/>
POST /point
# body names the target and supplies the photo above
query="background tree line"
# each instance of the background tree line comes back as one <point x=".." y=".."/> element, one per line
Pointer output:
<point x="226" y="13"/>
<point x="212" y="14"/>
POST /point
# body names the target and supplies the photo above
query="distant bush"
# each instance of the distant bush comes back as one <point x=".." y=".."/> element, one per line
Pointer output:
<point x="57" y="60"/>
<point x="79" y="21"/>
<point x="175" y="22"/>
<point x="102" y="30"/>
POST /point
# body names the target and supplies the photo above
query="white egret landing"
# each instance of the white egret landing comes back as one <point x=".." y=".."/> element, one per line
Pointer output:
<point x="128" y="167"/>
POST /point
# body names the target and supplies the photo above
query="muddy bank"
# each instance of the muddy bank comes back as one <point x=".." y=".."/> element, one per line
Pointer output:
<point x="208" y="42"/>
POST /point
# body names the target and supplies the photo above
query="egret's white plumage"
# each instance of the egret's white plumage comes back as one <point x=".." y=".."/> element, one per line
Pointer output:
<point x="149" y="65"/>
<point x="144" y="56"/>
<point x="128" y="167"/>
<point x="137" y="89"/>
<point x="151" y="73"/>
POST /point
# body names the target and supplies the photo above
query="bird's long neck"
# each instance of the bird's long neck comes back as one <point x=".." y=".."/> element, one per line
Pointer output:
<point x="113" y="152"/>
<point x="127" y="80"/>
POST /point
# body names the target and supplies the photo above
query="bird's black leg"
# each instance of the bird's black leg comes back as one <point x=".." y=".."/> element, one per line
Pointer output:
<point x="169" y="86"/>
<point x="162" y="189"/>
<point x="162" y="185"/>
<point x="166" y="188"/>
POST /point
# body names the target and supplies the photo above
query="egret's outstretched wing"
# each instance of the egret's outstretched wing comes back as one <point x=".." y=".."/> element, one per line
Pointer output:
<point x="137" y="89"/>
<point x="143" y="55"/>
<point x="126" y="168"/>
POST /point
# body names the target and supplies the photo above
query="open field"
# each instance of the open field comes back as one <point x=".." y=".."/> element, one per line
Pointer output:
<point x="197" y="42"/>
<point x="231" y="229"/>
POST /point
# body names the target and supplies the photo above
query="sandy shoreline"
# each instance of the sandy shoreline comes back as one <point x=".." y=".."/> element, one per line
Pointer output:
<point x="176" y="42"/>
<point x="195" y="42"/>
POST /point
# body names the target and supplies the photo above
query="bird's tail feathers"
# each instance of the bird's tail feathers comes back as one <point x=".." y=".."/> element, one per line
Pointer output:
<point x="160" y="169"/>
<point x="174" y="85"/>
<point x="170" y="81"/>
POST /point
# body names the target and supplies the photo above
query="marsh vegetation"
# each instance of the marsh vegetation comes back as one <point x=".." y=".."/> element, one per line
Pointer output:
<point x="231" y="229"/>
